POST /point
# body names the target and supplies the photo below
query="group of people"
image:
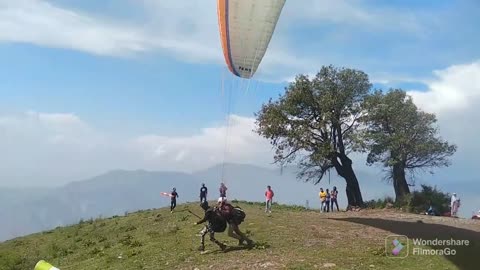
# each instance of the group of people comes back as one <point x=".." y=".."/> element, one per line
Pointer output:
<point x="218" y="217"/>
<point x="328" y="199"/>
<point x="203" y="195"/>
<point x="223" y="194"/>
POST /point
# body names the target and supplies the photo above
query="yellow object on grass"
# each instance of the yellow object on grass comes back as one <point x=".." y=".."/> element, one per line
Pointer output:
<point x="43" y="265"/>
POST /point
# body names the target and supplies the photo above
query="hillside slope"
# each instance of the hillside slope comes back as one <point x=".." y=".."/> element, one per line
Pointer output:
<point x="290" y="238"/>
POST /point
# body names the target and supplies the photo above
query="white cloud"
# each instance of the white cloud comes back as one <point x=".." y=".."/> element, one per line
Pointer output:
<point x="44" y="24"/>
<point x="207" y="148"/>
<point x="454" y="89"/>
<point x="454" y="96"/>
<point x="56" y="148"/>
<point x="166" y="26"/>
<point x="353" y="13"/>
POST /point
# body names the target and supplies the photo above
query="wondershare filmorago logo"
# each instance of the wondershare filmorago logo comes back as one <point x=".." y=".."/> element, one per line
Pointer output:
<point x="396" y="246"/>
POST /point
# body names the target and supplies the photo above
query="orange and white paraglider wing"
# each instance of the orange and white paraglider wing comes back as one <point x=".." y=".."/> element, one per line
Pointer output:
<point x="246" y="28"/>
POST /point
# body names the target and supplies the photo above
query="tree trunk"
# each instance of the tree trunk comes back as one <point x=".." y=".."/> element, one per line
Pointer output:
<point x="400" y="182"/>
<point x="345" y="170"/>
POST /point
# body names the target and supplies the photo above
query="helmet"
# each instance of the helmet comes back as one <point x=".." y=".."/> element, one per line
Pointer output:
<point x="204" y="205"/>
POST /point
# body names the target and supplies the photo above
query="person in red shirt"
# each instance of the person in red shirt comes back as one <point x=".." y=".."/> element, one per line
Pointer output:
<point x="269" y="197"/>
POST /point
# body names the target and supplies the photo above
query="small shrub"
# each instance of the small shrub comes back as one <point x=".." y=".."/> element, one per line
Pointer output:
<point x="184" y="218"/>
<point x="172" y="229"/>
<point x="130" y="228"/>
<point x="153" y="234"/>
<point x="417" y="201"/>
<point x="133" y="252"/>
<point x="127" y="240"/>
<point x="95" y="251"/>
<point x="380" y="203"/>
<point x="421" y="200"/>
<point x="88" y="243"/>
<point x="102" y="238"/>
<point x="136" y="243"/>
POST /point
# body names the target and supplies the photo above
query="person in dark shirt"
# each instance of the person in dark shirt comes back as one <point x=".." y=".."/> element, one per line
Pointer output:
<point x="333" y="198"/>
<point x="203" y="193"/>
<point x="173" y="202"/>
<point x="230" y="214"/>
<point x="215" y="223"/>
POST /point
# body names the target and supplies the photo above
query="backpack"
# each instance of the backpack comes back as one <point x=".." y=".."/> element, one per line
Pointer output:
<point x="235" y="214"/>
<point x="238" y="215"/>
<point x="227" y="211"/>
<point x="216" y="221"/>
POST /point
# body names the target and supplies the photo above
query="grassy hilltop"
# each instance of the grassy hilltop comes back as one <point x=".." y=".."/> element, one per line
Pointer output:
<point x="290" y="238"/>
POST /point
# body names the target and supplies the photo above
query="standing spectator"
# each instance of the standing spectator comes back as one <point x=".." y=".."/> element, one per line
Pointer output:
<point x="223" y="191"/>
<point x="323" y="197"/>
<point x="269" y="197"/>
<point x="333" y="198"/>
<point x="203" y="193"/>
<point x="173" y="202"/>
<point x="327" y="201"/>
<point x="454" y="205"/>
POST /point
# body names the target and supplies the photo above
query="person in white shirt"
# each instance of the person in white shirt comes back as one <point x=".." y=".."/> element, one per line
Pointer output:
<point x="454" y="205"/>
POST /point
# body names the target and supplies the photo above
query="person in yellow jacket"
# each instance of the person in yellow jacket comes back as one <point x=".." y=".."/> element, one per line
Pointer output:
<point x="323" y="198"/>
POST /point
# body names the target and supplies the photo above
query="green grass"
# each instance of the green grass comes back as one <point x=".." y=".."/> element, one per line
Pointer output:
<point x="290" y="238"/>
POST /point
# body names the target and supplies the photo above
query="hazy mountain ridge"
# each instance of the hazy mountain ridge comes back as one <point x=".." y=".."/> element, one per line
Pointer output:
<point x="25" y="211"/>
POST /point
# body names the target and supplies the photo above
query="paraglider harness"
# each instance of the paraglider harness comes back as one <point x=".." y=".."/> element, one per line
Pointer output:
<point x="232" y="213"/>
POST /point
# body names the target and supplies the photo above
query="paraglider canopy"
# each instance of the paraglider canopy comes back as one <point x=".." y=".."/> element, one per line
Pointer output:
<point x="246" y="28"/>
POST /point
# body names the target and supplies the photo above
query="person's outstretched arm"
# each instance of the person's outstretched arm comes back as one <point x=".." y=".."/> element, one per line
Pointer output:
<point x="202" y="220"/>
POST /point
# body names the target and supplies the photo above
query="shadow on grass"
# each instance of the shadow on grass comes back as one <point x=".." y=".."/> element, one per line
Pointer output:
<point x="466" y="257"/>
<point x="245" y="247"/>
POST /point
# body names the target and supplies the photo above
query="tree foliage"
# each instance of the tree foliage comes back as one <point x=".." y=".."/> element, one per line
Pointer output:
<point x="398" y="132"/>
<point x="401" y="137"/>
<point x="315" y="122"/>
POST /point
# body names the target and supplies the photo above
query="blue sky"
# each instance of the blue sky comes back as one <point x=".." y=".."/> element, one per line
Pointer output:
<point x="89" y="86"/>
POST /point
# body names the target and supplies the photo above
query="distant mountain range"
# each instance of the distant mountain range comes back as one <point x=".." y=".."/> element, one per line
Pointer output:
<point x="28" y="210"/>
